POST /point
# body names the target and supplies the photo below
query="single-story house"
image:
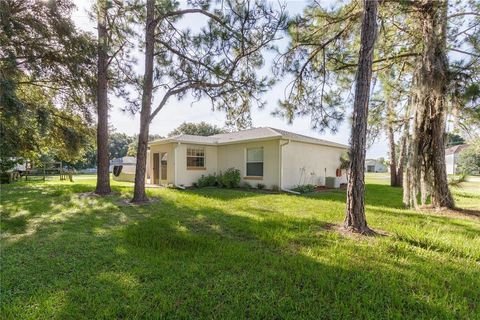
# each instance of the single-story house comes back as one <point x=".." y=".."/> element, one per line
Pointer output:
<point x="273" y="157"/>
<point x="374" y="165"/>
<point x="452" y="155"/>
<point x="123" y="168"/>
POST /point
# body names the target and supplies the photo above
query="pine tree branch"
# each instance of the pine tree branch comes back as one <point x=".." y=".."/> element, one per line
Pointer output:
<point x="459" y="14"/>
<point x="465" y="52"/>
<point x="400" y="56"/>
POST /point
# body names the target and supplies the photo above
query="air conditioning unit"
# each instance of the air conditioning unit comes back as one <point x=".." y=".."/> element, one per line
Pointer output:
<point x="332" y="182"/>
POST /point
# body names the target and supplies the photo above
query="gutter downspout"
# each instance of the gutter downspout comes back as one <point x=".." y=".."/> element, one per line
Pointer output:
<point x="175" y="164"/>
<point x="176" y="171"/>
<point x="280" y="157"/>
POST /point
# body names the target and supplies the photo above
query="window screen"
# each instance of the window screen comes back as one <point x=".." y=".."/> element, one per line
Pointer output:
<point x="195" y="158"/>
<point x="255" y="162"/>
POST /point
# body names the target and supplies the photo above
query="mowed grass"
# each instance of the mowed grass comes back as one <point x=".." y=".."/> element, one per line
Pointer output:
<point x="224" y="254"/>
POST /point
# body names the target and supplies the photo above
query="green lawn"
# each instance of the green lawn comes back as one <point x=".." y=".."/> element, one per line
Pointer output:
<point x="232" y="254"/>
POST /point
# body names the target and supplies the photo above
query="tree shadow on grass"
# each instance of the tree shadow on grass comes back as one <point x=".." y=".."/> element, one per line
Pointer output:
<point x="176" y="260"/>
<point x="376" y="195"/>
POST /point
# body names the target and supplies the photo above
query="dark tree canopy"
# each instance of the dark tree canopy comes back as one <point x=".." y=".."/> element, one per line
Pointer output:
<point x="45" y="104"/>
<point x="199" y="129"/>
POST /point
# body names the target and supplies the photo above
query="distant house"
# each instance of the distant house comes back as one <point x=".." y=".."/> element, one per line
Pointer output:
<point x="123" y="169"/>
<point x="452" y="155"/>
<point x="265" y="155"/>
<point x="374" y="165"/>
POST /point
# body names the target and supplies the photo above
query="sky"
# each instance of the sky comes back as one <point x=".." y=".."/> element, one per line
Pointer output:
<point x="177" y="112"/>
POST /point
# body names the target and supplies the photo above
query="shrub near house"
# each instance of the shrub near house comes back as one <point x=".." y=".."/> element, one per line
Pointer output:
<point x="230" y="178"/>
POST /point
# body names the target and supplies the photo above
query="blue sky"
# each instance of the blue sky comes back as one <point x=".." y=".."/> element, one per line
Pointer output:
<point x="175" y="112"/>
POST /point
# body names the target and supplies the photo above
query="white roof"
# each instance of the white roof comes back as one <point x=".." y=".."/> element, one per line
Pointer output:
<point x="263" y="133"/>
<point x="123" y="160"/>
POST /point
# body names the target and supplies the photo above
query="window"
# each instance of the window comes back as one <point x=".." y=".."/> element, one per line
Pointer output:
<point x="255" y="162"/>
<point x="195" y="158"/>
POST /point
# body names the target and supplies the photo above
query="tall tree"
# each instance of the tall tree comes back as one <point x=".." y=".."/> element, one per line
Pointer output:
<point x="320" y="57"/>
<point x="426" y="164"/>
<point x="113" y="71"/>
<point x="140" y="170"/>
<point x="355" y="219"/>
<point x="199" y="129"/>
<point x="103" y="161"/>
<point x="44" y="105"/>
<point x="218" y="61"/>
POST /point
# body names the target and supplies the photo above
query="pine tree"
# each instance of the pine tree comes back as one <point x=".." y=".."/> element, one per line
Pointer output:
<point x="219" y="62"/>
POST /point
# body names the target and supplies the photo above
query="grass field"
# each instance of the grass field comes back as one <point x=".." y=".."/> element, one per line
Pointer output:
<point x="233" y="254"/>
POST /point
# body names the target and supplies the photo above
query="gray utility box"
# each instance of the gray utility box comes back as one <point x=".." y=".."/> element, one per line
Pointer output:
<point x="332" y="182"/>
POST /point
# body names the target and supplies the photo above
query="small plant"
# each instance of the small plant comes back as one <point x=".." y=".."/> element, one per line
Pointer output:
<point x="245" y="185"/>
<point x="457" y="180"/>
<point x="306" y="188"/>
<point x="275" y="188"/>
<point x="207" y="181"/>
<point x="260" y="186"/>
<point x="229" y="179"/>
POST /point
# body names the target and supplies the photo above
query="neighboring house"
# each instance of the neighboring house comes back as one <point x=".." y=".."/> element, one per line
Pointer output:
<point x="273" y="157"/>
<point x="452" y="155"/>
<point x="373" y="165"/>
<point x="123" y="169"/>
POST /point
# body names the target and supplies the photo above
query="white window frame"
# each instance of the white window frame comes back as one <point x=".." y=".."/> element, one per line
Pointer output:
<point x="247" y="162"/>
<point x="204" y="158"/>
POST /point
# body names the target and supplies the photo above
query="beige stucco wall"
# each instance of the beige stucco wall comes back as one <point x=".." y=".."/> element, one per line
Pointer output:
<point x="186" y="176"/>
<point x="234" y="156"/>
<point x="450" y="163"/>
<point x="304" y="163"/>
<point x="169" y="149"/>
<point x="300" y="160"/>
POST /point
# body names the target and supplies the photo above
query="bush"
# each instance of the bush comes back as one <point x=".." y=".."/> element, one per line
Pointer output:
<point x="207" y="181"/>
<point x="469" y="161"/>
<point x="275" y="188"/>
<point x="229" y="179"/>
<point x="245" y="185"/>
<point x="260" y="186"/>
<point x="306" y="188"/>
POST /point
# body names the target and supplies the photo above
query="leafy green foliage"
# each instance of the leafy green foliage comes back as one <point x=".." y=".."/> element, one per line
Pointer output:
<point x="305" y="188"/>
<point x="209" y="180"/>
<point x="469" y="161"/>
<point x="45" y="104"/>
<point x="198" y="129"/>
<point x="229" y="178"/>
<point x="453" y="139"/>
<point x="119" y="144"/>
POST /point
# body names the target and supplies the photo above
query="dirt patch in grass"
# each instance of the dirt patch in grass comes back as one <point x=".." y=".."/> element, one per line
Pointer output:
<point x="91" y="194"/>
<point x="127" y="202"/>
<point x="332" y="227"/>
<point x="457" y="212"/>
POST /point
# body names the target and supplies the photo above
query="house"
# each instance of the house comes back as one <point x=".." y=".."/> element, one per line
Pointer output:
<point x="123" y="169"/>
<point x="452" y="155"/>
<point x="273" y="157"/>
<point x="374" y="165"/>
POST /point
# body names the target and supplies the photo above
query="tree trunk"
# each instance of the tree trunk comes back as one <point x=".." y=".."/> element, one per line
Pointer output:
<point x="139" y="189"/>
<point x="103" y="161"/>
<point x="391" y="144"/>
<point x="402" y="155"/>
<point x="427" y="164"/>
<point x="355" y="219"/>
